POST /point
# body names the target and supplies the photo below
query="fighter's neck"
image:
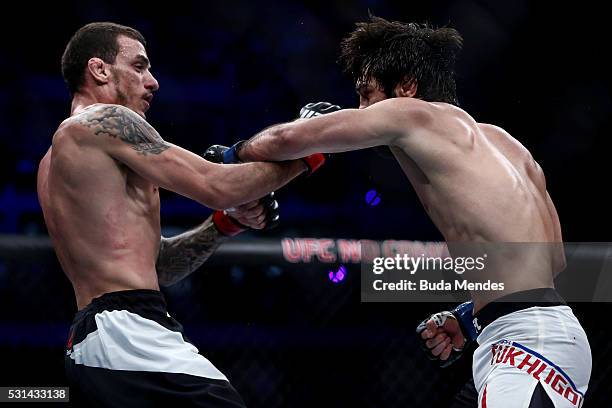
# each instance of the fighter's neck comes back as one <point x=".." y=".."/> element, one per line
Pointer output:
<point x="84" y="99"/>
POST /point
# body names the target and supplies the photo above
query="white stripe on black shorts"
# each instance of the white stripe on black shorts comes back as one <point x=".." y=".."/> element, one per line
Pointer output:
<point x="124" y="350"/>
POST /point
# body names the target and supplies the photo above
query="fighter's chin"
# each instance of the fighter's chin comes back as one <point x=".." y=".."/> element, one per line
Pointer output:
<point x="141" y="110"/>
<point x="147" y="106"/>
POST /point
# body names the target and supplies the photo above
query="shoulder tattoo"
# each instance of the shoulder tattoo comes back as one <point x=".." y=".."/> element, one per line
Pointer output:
<point x="120" y="122"/>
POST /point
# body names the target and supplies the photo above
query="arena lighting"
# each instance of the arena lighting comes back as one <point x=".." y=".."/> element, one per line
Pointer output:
<point x="337" y="276"/>
<point x="372" y="198"/>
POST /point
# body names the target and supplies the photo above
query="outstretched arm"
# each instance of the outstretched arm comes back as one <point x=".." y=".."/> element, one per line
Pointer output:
<point x="129" y="139"/>
<point x="350" y="129"/>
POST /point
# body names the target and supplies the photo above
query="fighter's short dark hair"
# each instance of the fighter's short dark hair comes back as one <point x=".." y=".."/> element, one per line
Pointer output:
<point x="93" y="40"/>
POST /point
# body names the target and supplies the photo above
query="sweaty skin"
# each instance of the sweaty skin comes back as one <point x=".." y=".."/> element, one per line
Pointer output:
<point x="98" y="185"/>
<point x="476" y="182"/>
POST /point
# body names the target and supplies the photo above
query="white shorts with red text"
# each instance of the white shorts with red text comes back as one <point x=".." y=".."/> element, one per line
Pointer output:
<point x="520" y="349"/>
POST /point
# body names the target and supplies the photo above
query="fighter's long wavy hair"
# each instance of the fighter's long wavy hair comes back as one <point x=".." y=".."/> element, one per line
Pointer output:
<point x="391" y="52"/>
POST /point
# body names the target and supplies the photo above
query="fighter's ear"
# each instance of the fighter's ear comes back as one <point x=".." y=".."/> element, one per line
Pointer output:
<point x="406" y="88"/>
<point x="99" y="70"/>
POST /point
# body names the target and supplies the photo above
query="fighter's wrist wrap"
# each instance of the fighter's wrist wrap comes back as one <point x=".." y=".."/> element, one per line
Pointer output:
<point x="310" y="110"/>
<point x="464" y="316"/>
<point x="230" y="156"/>
<point x="464" y="313"/>
<point x="313" y="162"/>
<point x="226" y="225"/>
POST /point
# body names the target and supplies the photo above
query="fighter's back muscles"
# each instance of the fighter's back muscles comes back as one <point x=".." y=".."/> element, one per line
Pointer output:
<point x="510" y="147"/>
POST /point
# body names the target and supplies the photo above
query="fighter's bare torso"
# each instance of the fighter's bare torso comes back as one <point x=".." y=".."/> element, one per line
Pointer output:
<point x="485" y="187"/>
<point x="477" y="183"/>
<point x="103" y="218"/>
<point x="98" y="187"/>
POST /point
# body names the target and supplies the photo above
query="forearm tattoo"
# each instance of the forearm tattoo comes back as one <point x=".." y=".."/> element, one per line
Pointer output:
<point x="184" y="253"/>
<point x="120" y="122"/>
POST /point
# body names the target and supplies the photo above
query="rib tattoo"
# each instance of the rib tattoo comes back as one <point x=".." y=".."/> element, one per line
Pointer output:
<point x="121" y="122"/>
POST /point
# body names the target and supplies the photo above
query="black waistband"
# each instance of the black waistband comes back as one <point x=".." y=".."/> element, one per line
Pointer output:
<point x="140" y="301"/>
<point x="146" y="303"/>
<point x="542" y="297"/>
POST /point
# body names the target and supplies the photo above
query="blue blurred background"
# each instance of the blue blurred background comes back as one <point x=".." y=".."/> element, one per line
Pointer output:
<point x="229" y="69"/>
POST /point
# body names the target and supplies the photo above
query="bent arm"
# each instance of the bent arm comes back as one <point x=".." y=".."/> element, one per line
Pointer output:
<point x="182" y="254"/>
<point x="345" y="130"/>
<point x="129" y="139"/>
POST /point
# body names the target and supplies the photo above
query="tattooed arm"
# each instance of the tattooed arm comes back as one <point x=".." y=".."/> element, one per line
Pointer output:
<point x="182" y="254"/>
<point x="129" y="139"/>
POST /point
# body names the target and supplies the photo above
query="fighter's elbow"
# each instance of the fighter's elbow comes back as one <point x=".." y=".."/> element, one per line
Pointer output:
<point x="165" y="277"/>
<point x="164" y="283"/>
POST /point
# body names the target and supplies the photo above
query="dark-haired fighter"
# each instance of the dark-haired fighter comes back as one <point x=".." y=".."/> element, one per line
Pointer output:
<point x="98" y="187"/>
<point x="478" y="184"/>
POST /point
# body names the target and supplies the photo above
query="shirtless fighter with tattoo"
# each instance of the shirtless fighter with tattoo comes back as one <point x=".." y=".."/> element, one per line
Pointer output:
<point x="98" y="188"/>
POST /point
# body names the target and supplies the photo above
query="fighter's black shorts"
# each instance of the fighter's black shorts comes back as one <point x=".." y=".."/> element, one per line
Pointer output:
<point x="124" y="350"/>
